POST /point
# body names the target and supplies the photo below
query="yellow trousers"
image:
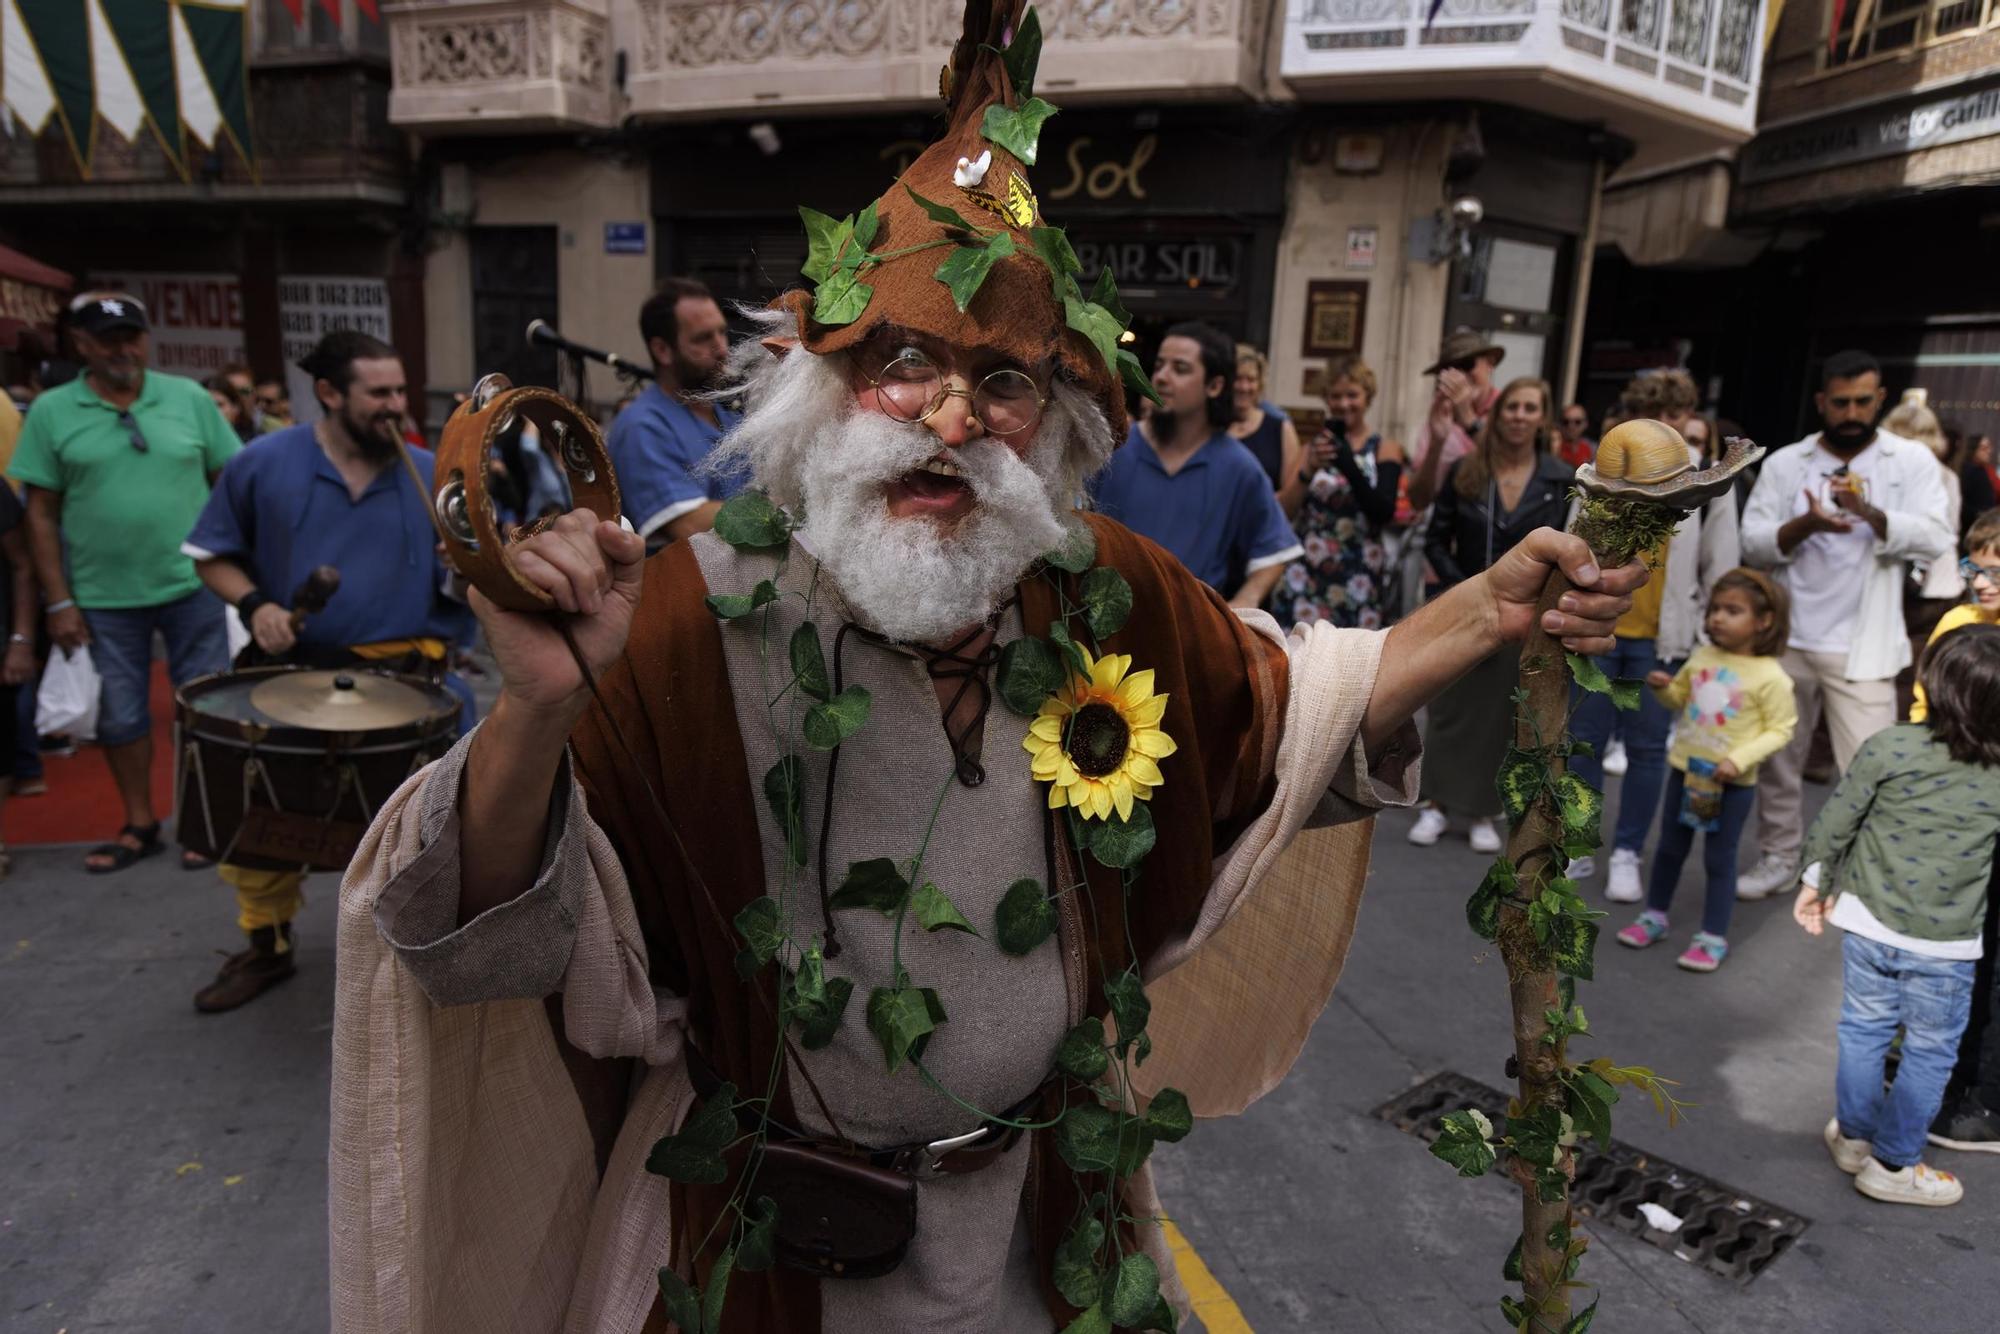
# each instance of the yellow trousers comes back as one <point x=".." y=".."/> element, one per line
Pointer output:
<point x="265" y="898"/>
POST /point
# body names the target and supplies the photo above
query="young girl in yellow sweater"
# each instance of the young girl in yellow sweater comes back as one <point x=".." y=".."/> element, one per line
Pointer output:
<point x="1736" y="710"/>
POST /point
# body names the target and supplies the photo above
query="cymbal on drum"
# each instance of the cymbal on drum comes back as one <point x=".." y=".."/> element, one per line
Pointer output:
<point x="338" y="701"/>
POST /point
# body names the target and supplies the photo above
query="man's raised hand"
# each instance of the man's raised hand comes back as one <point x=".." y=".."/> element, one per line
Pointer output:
<point x="1584" y="617"/>
<point x="591" y="567"/>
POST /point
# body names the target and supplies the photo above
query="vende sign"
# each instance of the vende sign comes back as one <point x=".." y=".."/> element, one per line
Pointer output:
<point x="197" y="318"/>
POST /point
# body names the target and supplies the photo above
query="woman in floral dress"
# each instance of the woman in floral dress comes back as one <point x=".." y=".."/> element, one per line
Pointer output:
<point x="1350" y="501"/>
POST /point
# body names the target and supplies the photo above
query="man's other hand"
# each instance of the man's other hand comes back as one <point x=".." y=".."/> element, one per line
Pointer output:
<point x="1583" y="618"/>
<point x="271" y="627"/>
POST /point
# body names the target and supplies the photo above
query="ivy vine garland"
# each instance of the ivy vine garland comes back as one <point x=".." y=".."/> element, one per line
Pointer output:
<point x="1096" y="740"/>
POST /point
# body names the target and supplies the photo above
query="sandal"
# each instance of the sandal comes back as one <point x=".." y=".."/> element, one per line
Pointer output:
<point x="194" y="861"/>
<point x="122" y="855"/>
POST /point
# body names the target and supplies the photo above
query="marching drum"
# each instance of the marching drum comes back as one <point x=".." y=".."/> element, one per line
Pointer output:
<point x="283" y="768"/>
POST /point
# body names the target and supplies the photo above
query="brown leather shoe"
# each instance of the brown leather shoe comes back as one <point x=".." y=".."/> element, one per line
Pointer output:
<point x="249" y="973"/>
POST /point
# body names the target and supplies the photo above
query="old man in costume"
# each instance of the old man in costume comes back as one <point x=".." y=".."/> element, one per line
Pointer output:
<point x="917" y="852"/>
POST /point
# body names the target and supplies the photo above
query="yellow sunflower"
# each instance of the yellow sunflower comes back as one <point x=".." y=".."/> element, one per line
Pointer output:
<point x="1097" y="739"/>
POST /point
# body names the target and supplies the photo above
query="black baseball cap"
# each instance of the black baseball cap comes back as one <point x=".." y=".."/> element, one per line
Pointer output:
<point x="100" y="313"/>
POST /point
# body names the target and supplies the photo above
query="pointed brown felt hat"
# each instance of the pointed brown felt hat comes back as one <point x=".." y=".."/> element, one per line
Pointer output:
<point x="1015" y="311"/>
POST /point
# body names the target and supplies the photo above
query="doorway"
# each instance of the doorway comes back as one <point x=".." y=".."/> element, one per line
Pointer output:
<point x="513" y="282"/>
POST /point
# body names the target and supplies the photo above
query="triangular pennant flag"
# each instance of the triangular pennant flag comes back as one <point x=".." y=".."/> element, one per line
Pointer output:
<point x="118" y="100"/>
<point x="144" y="32"/>
<point x="61" y="36"/>
<point x="297" y="8"/>
<point x="220" y="37"/>
<point x="1833" y="28"/>
<point x="1774" y="12"/>
<point x="199" y="112"/>
<point x="332" y="8"/>
<point x="1861" y="16"/>
<point x="368" y="7"/>
<point x="22" y="81"/>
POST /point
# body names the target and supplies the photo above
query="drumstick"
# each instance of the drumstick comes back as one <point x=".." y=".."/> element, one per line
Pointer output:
<point x="313" y="594"/>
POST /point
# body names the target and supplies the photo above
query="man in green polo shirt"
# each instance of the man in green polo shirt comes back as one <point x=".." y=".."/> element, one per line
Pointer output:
<point x="117" y="466"/>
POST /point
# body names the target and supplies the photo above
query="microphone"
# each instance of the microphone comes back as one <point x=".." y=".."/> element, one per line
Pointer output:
<point x="540" y="331"/>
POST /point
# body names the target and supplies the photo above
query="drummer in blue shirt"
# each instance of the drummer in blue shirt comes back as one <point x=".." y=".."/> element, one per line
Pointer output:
<point x="1181" y="479"/>
<point x="659" y="441"/>
<point x="332" y="492"/>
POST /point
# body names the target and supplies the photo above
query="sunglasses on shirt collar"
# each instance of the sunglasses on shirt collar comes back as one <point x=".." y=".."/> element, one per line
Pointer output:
<point x="132" y="432"/>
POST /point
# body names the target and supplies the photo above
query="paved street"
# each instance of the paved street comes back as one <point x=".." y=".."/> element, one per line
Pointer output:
<point x="164" y="1170"/>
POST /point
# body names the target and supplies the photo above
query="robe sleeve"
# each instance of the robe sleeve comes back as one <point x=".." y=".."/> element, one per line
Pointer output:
<point x="573" y="931"/>
<point x="515" y="951"/>
<point x="1359" y="783"/>
<point x="1234" y="999"/>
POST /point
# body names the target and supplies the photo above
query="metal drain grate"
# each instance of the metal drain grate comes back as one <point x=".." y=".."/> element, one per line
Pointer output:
<point x="1729" y="1234"/>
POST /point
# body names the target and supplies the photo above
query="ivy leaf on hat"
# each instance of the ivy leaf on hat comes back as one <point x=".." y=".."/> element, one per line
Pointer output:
<point x="1017" y="129"/>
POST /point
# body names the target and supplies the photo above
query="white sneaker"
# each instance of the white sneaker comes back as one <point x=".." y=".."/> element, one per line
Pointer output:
<point x="1429" y="828"/>
<point x="1485" y="838"/>
<point x="1581" y="868"/>
<point x="1614" y="759"/>
<point x="1849" y="1155"/>
<point x="1918" y="1183"/>
<point x="1623" y="885"/>
<point x="1774" y="871"/>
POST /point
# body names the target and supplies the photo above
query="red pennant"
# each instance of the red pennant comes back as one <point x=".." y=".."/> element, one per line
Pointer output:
<point x="368" y="7"/>
<point x="298" y="12"/>
<point x="1833" y="29"/>
<point x="332" y="8"/>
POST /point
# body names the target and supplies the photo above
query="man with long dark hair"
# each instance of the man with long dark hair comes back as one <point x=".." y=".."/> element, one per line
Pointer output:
<point x="1184" y="481"/>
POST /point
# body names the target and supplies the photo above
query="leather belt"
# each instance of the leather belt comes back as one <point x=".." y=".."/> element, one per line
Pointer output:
<point x="956" y="1155"/>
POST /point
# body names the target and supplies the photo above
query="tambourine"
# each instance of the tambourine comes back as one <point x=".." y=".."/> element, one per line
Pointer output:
<point x="474" y="540"/>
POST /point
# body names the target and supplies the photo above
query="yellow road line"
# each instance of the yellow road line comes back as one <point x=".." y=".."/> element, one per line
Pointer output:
<point x="1217" y="1310"/>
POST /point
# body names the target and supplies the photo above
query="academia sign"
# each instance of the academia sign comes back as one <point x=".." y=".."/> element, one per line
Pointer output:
<point x="1876" y="132"/>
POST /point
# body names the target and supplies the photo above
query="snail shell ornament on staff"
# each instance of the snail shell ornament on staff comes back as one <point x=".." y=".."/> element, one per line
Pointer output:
<point x="463" y="512"/>
<point x="1645" y="459"/>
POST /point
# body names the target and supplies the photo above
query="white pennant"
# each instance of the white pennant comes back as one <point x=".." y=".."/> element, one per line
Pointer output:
<point x="199" y="113"/>
<point x="118" y="99"/>
<point x="26" y="86"/>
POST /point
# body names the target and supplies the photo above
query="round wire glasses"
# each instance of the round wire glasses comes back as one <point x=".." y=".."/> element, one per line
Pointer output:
<point x="911" y="387"/>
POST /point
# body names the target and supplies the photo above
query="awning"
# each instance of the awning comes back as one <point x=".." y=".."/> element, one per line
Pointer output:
<point x="31" y="296"/>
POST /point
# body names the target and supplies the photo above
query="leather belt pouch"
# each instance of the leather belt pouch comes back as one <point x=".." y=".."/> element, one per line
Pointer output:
<point x="838" y="1216"/>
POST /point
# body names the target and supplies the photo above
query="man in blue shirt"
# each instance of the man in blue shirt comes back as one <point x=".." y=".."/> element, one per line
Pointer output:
<point x="1183" y="481"/>
<point x="332" y="492"/>
<point x="659" y="441"/>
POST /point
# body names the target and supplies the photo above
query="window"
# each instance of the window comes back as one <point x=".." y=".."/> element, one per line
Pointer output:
<point x="1902" y="25"/>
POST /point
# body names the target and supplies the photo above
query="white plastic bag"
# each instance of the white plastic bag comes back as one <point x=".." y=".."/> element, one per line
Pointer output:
<point x="67" y="701"/>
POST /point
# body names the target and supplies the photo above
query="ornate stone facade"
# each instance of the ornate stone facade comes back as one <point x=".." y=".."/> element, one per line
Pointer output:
<point x="521" y="61"/>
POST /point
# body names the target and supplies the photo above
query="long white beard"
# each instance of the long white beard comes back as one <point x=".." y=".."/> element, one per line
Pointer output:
<point x="913" y="579"/>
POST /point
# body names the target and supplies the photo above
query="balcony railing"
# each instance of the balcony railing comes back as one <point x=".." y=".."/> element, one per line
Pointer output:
<point x="701" y="57"/>
<point x="476" y="65"/>
<point x="1691" y="62"/>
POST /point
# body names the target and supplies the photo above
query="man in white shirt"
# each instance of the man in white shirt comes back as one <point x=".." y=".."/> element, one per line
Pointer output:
<point x="1837" y="517"/>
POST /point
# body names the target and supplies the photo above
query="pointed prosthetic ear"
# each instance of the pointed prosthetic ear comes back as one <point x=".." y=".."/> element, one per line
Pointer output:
<point x="779" y="344"/>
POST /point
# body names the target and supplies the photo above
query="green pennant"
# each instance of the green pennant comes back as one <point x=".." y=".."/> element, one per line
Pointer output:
<point x="144" y="32"/>
<point x="61" y="34"/>
<point x="220" y="38"/>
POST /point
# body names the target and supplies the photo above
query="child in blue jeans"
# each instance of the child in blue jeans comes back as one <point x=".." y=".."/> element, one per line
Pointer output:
<point x="1907" y="838"/>
<point x="1736" y="711"/>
